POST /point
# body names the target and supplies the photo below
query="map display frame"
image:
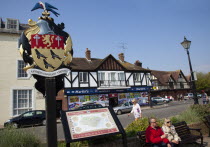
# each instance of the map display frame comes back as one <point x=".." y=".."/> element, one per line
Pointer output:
<point x="90" y="123"/>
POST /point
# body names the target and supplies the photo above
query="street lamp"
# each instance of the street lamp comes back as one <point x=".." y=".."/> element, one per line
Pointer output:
<point x="186" y="44"/>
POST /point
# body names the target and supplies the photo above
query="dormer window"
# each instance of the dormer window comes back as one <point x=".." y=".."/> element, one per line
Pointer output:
<point x="12" y="23"/>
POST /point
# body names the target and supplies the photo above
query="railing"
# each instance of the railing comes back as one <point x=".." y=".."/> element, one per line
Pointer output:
<point x="111" y="83"/>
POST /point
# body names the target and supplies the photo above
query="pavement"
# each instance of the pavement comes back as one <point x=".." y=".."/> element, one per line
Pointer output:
<point x="206" y="140"/>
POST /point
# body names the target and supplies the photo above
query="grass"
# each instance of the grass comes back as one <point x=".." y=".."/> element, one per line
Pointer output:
<point x="190" y="116"/>
<point x="193" y="114"/>
<point x="74" y="144"/>
<point x="18" y="138"/>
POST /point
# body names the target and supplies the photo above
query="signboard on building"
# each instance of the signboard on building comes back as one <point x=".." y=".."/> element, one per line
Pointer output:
<point x="97" y="91"/>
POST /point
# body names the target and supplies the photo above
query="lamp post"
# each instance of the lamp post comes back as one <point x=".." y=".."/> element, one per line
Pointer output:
<point x="186" y="44"/>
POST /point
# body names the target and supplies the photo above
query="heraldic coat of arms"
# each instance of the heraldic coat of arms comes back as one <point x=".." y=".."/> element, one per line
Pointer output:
<point x="46" y="46"/>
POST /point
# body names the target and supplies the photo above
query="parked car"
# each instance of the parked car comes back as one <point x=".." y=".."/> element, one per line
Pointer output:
<point x="29" y="118"/>
<point x="157" y="100"/>
<point x="88" y="105"/>
<point x="143" y="101"/>
<point x="199" y="95"/>
<point x="170" y="98"/>
<point x="123" y="108"/>
<point x="188" y="96"/>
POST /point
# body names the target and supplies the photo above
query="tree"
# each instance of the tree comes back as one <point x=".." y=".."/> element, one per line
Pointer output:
<point x="203" y="82"/>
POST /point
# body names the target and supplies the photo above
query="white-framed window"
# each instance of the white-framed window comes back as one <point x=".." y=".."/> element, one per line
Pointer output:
<point x="12" y="23"/>
<point x="101" y="76"/>
<point x="20" y="72"/>
<point x="22" y="101"/>
<point x="83" y="77"/>
<point x="121" y="76"/>
<point x="111" y="76"/>
<point x="137" y="77"/>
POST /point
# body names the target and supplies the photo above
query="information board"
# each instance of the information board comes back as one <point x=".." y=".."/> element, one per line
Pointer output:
<point x="88" y="123"/>
<point x="91" y="123"/>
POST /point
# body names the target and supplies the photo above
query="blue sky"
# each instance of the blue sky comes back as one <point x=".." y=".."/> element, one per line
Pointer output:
<point x="151" y="30"/>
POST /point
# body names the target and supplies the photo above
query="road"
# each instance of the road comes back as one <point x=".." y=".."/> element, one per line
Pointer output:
<point x="171" y="109"/>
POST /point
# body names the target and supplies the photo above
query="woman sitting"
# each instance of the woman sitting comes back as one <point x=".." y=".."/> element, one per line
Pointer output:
<point x="169" y="129"/>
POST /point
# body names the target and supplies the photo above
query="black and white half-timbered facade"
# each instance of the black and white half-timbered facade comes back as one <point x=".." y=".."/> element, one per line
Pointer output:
<point x="106" y="81"/>
<point x="170" y="84"/>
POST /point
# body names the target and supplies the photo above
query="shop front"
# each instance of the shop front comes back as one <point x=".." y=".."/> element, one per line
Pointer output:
<point x="110" y="97"/>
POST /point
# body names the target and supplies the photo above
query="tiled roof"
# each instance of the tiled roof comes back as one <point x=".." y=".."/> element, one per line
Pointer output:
<point x="163" y="76"/>
<point x="175" y="74"/>
<point x="82" y="64"/>
<point x="132" y="67"/>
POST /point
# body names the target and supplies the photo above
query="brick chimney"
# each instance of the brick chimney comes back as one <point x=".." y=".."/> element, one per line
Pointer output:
<point x="88" y="54"/>
<point x="138" y="63"/>
<point x="121" y="57"/>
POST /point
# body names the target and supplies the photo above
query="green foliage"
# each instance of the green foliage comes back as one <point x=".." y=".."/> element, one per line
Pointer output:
<point x="18" y="138"/>
<point x="193" y="114"/>
<point x="174" y="119"/>
<point x="74" y="144"/>
<point x="190" y="116"/>
<point x="201" y="110"/>
<point x="139" y="125"/>
<point x="203" y="82"/>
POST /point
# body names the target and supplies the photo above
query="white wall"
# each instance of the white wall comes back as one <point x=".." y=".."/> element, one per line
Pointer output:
<point x="66" y="82"/>
<point x="92" y="81"/>
<point x="130" y="80"/>
<point x="8" y="76"/>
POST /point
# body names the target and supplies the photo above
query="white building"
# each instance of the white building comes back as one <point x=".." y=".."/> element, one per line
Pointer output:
<point x="17" y="92"/>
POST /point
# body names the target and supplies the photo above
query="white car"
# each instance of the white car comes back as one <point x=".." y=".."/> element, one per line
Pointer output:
<point x="188" y="96"/>
<point x="123" y="108"/>
<point x="157" y="100"/>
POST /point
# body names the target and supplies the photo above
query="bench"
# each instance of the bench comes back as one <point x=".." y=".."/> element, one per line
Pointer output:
<point x="183" y="132"/>
<point x="207" y="122"/>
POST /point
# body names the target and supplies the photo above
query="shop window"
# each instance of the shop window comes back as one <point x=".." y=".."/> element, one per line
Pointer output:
<point x="22" y="101"/>
<point x="21" y="73"/>
<point x="83" y="77"/>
